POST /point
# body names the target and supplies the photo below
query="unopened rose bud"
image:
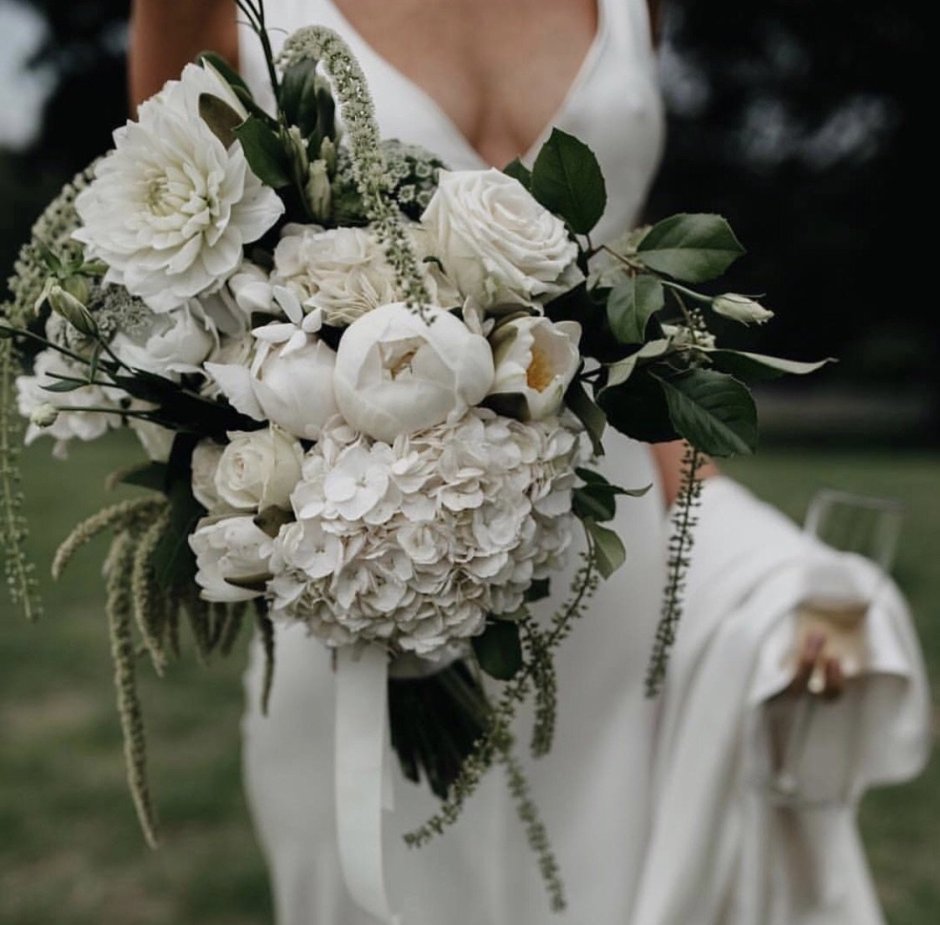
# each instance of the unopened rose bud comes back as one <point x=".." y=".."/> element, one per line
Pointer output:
<point x="44" y="415"/>
<point x="319" y="195"/>
<point x="740" y="308"/>
<point x="63" y="303"/>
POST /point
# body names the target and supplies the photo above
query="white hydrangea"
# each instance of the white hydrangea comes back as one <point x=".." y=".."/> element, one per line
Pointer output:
<point x="171" y="207"/>
<point x="414" y="544"/>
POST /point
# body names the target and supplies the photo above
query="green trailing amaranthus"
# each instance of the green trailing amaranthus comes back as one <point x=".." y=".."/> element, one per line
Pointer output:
<point x="119" y="607"/>
<point x="318" y="43"/>
<point x="149" y="600"/>
<point x="496" y="741"/>
<point x="20" y="572"/>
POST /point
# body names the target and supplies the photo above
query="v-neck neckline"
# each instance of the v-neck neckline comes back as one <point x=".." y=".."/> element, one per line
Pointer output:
<point x="583" y="74"/>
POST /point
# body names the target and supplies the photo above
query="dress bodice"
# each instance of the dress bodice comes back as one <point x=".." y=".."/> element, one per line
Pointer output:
<point x="613" y="105"/>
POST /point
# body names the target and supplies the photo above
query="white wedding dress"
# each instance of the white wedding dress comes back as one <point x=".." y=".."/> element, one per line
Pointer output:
<point x="596" y="789"/>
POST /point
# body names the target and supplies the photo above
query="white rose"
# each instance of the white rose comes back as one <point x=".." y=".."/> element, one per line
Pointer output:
<point x="205" y="461"/>
<point x="496" y="242"/>
<point x="251" y="289"/>
<point x="232" y="549"/>
<point x="259" y="469"/>
<point x="171" y="207"/>
<point x="397" y="373"/>
<point x="536" y="359"/>
<point x="290" y="379"/>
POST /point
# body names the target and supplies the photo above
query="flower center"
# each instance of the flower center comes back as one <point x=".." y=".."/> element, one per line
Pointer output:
<point x="539" y="375"/>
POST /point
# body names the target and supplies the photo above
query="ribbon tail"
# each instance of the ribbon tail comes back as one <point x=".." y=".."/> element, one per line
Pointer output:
<point x="361" y="785"/>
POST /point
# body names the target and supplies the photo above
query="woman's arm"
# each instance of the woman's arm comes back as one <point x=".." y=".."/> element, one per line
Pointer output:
<point x="167" y="34"/>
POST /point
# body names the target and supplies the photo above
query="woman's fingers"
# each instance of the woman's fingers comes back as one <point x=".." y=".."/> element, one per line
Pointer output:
<point x="812" y="647"/>
<point x="835" y="680"/>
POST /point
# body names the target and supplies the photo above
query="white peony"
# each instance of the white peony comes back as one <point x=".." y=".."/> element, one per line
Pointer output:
<point x="227" y="550"/>
<point x="397" y="373"/>
<point x="33" y="397"/>
<point x="289" y="381"/>
<point x="173" y="344"/>
<point x="535" y="359"/>
<point x="258" y="469"/>
<point x="496" y="242"/>
<point x="171" y="208"/>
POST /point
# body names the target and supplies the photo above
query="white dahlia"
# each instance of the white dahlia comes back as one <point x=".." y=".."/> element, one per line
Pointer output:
<point x="171" y="207"/>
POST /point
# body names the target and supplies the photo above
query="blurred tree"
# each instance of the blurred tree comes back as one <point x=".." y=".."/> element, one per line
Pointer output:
<point x="799" y="121"/>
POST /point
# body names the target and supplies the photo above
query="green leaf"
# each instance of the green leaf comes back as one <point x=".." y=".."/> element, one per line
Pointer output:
<point x="609" y="553"/>
<point x="220" y="117"/>
<point x="757" y="366"/>
<point x="64" y="385"/>
<point x="225" y="70"/>
<point x="266" y="155"/>
<point x="174" y="563"/>
<point x="631" y="305"/>
<point x="538" y="590"/>
<point x="518" y="171"/>
<point x="690" y="247"/>
<point x="150" y="475"/>
<point x="588" y="413"/>
<point x="638" y="408"/>
<point x="298" y="97"/>
<point x="498" y="649"/>
<point x="622" y="370"/>
<point x="713" y="411"/>
<point x="567" y="180"/>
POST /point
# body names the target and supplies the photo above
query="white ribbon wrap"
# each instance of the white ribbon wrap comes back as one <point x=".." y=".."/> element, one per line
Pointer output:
<point x="361" y="779"/>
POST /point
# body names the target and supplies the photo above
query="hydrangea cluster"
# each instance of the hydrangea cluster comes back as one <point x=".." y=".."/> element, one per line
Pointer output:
<point x="413" y="544"/>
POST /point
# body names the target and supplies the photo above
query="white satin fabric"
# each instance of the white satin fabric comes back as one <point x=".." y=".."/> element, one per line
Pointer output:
<point x="616" y="831"/>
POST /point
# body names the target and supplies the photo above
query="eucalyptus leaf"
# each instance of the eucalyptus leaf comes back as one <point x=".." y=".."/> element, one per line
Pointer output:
<point x="265" y="153"/>
<point x="567" y="180"/>
<point x="588" y="413"/>
<point x="609" y="553"/>
<point x="220" y="117"/>
<point x="713" y="411"/>
<point x="630" y="306"/>
<point x="757" y="366"/>
<point x="691" y="247"/>
<point x="499" y="650"/>
<point x="518" y="171"/>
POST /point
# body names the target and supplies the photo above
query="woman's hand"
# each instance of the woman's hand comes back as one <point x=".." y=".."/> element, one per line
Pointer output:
<point x="817" y="673"/>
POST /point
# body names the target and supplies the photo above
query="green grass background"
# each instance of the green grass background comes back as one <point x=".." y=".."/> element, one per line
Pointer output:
<point x="70" y="852"/>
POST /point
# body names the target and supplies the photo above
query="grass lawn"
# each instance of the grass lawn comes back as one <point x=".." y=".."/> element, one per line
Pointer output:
<point x="70" y="852"/>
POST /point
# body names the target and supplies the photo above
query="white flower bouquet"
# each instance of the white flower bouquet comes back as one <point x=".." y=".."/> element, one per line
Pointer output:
<point x="370" y="390"/>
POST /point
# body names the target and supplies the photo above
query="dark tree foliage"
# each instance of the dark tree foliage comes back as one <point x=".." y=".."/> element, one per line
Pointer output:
<point x="799" y="122"/>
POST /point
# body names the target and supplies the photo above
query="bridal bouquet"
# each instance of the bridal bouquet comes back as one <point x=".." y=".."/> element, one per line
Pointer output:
<point x="370" y="390"/>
